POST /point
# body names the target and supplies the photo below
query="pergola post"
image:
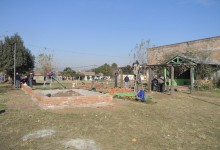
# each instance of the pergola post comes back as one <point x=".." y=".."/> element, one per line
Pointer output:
<point x="146" y="74"/>
<point x="172" y="80"/>
<point x="121" y="78"/>
<point x="191" y="79"/>
<point x="149" y="78"/>
<point x="165" y="77"/>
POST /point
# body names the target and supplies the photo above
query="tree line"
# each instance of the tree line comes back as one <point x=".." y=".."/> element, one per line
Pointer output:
<point x="25" y="60"/>
<point x="105" y="69"/>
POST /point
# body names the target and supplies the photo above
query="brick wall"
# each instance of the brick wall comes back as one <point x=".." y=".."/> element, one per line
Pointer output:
<point x="73" y="101"/>
<point x="157" y="55"/>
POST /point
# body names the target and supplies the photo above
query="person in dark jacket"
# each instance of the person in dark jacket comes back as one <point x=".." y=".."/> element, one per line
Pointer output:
<point x="30" y="80"/>
<point x="161" y="82"/>
<point x="155" y="84"/>
<point x="17" y="80"/>
<point x="116" y="80"/>
<point x="126" y="79"/>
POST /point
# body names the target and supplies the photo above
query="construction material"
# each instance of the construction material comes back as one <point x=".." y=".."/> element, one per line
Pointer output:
<point x="131" y="96"/>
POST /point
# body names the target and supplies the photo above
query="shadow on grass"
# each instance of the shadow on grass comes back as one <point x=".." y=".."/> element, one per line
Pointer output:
<point x="2" y="91"/>
<point x="148" y="100"/>
<point x="2" y="111"/>
<point x="3" y="107"/>
<point x="5" y="88"/>
<point x="204" y="101"/>
<point x="39" y="84"/>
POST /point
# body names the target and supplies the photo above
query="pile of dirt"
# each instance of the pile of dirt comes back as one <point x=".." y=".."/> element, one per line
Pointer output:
<point x="66" y="94"/>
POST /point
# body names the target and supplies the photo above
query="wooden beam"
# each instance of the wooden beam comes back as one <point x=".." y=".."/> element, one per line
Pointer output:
<point x="146" y="74"/>
<point x="149" y="79"/>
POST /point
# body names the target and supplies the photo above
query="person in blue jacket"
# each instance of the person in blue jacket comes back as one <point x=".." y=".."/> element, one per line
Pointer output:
<point x="141" y="94"/>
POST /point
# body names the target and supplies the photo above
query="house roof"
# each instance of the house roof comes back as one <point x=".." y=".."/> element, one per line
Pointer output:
<point x="200" y="60"/>
<point x="180" y="60"/>
<point x="100" y="74"/>
<point x="88" y="73"/>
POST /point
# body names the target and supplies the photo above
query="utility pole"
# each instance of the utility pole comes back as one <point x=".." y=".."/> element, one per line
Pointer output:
<point x="14" y="63"/>
<point x="94" y="67"/>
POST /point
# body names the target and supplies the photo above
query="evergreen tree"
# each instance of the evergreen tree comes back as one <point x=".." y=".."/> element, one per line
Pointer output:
<point x="68" y="72"/>
<point x="105" y="69"/>
<point x="24" y="59"/>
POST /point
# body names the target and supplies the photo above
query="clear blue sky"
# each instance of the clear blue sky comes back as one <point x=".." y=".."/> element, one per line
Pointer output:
<point x="88" y="32"/>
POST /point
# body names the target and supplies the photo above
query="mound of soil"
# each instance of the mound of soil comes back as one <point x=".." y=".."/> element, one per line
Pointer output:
<point x="66" y="94"/>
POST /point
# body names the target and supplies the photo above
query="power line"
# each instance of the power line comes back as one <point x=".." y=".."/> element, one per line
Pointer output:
<point x="42" y="49"/>
<point x="84" y="66"/>
<point x="75" y="52"/>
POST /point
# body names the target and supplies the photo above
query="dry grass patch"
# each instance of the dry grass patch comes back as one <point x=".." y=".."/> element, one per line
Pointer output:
<point x="174" y="122"/>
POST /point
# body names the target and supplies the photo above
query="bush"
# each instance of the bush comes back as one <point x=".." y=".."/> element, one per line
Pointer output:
<point x="217" y="83"/>
<point x="204" y="84"/>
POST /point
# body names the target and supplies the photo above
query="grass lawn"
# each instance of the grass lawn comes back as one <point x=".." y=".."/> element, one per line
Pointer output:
<point x="179" y="122"/>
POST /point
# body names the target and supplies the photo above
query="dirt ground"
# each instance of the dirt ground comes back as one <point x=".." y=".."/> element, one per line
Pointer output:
<point x="179" y="122"/>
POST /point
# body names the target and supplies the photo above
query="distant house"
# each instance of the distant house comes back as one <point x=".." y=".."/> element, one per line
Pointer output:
<point x="99" y="76"/>
<point x="38" y="76"/>
<point x="131" y="77"/>
<point x="88" y="75"/>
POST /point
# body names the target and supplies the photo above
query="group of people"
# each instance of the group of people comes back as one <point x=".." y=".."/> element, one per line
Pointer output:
<point x="28" y="80"/>
<point x="158" y="83"/>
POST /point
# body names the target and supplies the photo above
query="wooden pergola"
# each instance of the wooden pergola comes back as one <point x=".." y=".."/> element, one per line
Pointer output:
<point x="173" y="63"/>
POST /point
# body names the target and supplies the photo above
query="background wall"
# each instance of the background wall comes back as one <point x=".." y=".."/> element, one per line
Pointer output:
<point x="158" y="55"/>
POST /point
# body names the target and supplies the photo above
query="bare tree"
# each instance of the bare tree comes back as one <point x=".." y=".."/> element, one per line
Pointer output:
<point x="44" y="63"/>
<point x="140" y="51"/>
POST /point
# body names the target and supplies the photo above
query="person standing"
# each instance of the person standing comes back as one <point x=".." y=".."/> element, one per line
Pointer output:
<point x="161" y="82"/>
<point x="126" y="79"/>
<point x="116" y="80"/>
<point x="17" y="80"/>
<point x="154" y="84"/>
<point x="30" y="80"/>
